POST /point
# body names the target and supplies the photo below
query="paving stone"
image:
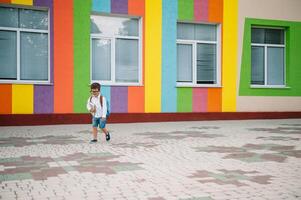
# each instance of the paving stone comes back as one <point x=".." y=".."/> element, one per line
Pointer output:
<point x="207" y="160"/>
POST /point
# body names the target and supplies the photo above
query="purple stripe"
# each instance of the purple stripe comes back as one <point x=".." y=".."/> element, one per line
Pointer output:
<point x="43" y="95"/>
<point x="119" y="6"/>
<point x="43" y="99"/>
<point x="119" y="99"/>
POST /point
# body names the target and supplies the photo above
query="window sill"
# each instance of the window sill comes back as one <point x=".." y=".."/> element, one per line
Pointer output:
<point x="117" y="84"/>
<point x="270" y="86"/>
<point x="25" y="82"/>
<point x="179" y="85"/>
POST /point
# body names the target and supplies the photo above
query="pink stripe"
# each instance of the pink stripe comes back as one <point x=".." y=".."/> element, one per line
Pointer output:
<point x="201" y="10"/>
<point x="199" y="99"/>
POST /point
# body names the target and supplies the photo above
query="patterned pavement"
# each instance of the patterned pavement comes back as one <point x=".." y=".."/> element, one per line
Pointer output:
<point x="207" y="160"/>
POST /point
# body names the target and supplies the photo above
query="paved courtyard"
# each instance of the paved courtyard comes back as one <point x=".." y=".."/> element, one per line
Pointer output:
<point x="207" y="160"/>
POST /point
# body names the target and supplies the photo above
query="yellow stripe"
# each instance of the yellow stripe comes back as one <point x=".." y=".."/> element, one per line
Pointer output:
<point x="229" y="62"/>
<point x="22" y="97"/>
<point x="23" y="2"/>
<point x="153" y="48"/>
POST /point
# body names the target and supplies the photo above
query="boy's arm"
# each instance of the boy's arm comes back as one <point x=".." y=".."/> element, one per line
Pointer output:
<point x="89" y="106"/>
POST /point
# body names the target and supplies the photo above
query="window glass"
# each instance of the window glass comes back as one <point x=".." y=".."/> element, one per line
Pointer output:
<point x="9" y="17"/>
<point x="206" y="63"/>
<point x="197" y="56"/>
<point x="101" y="59"/>
<point x="275" y="58"/>
<point x="114" y="26"/>
<point x="205" y="32"/>
<point x="116" y="59"/>
<point x="267" y="36"/>
<point x="268" y="56"/>
<point x="184" y="62"/>
<point x="257" y="35"/>
<point x="33" y="19"/>
<point x="127" y="60"/>
<point x="8" y="55"/>
<point x="257" y="66"/>
<point x="188" y="31"/>
<point x="34" y="54"/>
<point x="185" y="31"/>
<point x="274" y="36"/>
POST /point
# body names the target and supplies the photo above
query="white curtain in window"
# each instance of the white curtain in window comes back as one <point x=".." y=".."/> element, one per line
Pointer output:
<point x="8" y="55"/>
<point x="101" y="59"/>
<point x="34" y="56"/>
<point x="127" y="60"/>
<point x="257" y="66"/>
<point x="113" y="26"/>
<point x="275" y="72"/>
<point x="206" y="63"/>
<point x="33" y="19"/>
<point x="184" y="62"/>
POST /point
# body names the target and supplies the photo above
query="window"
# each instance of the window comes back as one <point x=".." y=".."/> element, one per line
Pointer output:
<point x="267" y="57"/>
<point x="116" y="50"/>
<point x="198" y="55"/>
<point x="24" y="45"/>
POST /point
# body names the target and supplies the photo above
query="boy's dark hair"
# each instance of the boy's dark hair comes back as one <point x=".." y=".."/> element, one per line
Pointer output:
<point x="95" y="86"/>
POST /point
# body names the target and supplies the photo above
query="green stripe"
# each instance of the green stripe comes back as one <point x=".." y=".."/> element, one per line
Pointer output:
<point x="185" y="9"/>
<point x="184" y="95"/>
<point x="293" y="61"/>
<point x="81" y="54"/>
<point x="184" y="100"/>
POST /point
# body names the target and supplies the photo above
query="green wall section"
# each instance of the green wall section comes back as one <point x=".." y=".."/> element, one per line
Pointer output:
<point x="184" y="100"/>
<point x="184" y="95"/>
<point x="81" y="36"/>
<point x="293" y="60"/>
<point x="185" y="9"/>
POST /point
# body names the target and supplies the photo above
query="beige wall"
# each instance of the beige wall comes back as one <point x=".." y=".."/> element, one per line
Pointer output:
<point x="269" y="103"/>
<point x="289" y="10"/>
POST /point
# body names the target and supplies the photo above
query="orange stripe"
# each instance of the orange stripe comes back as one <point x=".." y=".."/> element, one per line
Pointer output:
<point x="136" y="94"/>
<point x="63" y="56"/>
<point x="215" y="11"/>
<point x="214" y="99"/>
<point x="5" y="99"/>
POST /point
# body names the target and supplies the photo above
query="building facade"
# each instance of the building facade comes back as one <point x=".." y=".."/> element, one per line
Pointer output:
<point x="150" y="56"/>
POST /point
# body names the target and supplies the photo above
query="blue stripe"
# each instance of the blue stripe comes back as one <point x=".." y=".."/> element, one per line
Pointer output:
<point x="169" y="55"/>
<point x="106" y="92"/>
<point x="101" y="6"/>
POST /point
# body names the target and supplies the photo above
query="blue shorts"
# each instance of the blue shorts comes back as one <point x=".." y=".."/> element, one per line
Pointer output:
<point x="97" y="122"/>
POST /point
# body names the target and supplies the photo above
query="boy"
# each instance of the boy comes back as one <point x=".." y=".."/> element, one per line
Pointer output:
<point x="97" y="105"/>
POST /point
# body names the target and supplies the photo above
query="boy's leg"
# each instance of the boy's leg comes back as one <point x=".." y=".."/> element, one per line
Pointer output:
<point x="95" y="123"/>
<point x="104" y="130"/>
<point x="107" y="134"/>
<point x="94" y="133"/>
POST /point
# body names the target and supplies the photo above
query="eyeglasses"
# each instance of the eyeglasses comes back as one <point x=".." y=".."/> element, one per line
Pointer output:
<point x="94" y="91"/>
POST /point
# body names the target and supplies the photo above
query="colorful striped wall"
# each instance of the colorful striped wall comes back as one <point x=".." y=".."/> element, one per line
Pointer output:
<point x="70" y="59"/>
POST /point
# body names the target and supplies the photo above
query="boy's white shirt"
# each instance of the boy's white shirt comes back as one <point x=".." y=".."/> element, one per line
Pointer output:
<point x="100" y="111"/>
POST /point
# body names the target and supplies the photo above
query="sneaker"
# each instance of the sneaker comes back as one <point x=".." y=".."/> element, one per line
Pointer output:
<point x="93" y="141"/>
<point x="108" y="137"/>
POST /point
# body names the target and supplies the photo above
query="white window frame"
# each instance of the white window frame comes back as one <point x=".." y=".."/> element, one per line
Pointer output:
<point x="194" y="57"/>
<point x="265" y="46"/>
<point x="113" y="42"/>
<point x="27" y="30"/>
